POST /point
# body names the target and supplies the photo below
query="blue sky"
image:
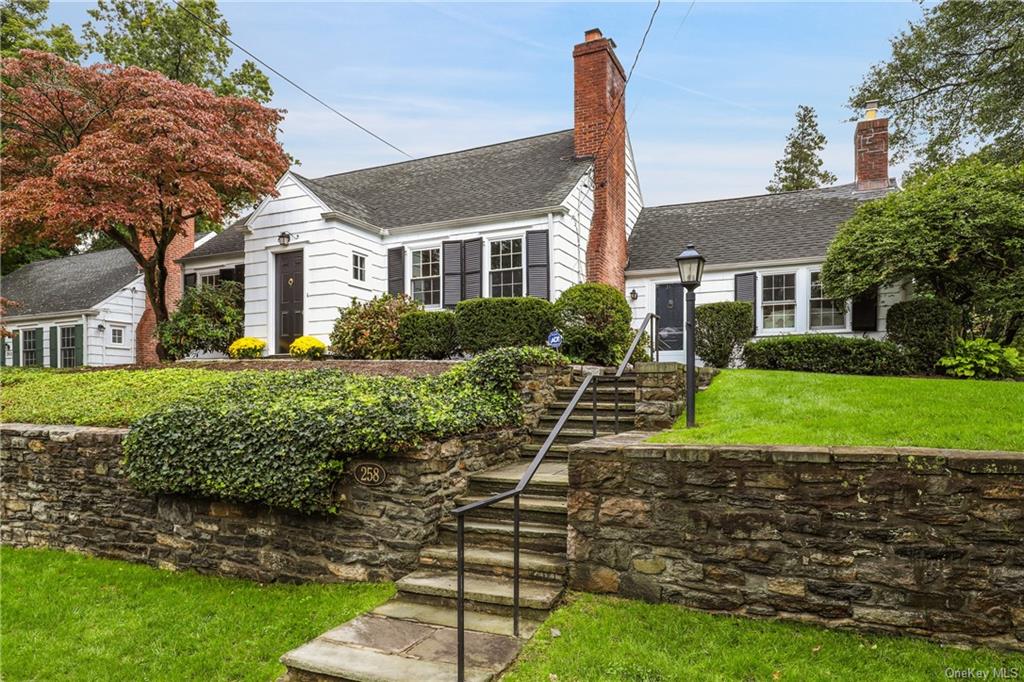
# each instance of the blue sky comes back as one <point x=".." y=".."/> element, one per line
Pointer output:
<point x="709" y="106"/>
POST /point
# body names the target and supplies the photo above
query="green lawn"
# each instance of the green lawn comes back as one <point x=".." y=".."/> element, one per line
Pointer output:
<point x="70" y="617"/>
<point x="800" y="408"/>
<point x="603" y="639"/>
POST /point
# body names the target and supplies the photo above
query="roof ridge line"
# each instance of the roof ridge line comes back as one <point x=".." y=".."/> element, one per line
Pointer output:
<point x="754" y="196"/>
<point x="435" y="156"/>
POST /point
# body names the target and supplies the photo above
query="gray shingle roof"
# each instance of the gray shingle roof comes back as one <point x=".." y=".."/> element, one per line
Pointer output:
<point x="230" y="241"/>
<point x="746" y="229"/>
<point x="534" y="172"/>
<point x="69" y="283"/>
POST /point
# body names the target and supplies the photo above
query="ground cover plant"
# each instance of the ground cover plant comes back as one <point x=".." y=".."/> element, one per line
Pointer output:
<point x="604" y="639"/>
<point x="283" y="438"/>
<point x="120" y="621"/>
<point x="792" y="408"/>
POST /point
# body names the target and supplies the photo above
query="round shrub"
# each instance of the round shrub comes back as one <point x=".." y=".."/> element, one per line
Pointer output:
<point x="207" y="320"/>
<point x="428" y="334"/>
<point x="827" y="353"/>
<point x="594" y="320"/>
<point x="307" y="347"/>
<point x="247" y="347"/>
<point x="926" y="327"/>
<point x="721" y="328"/>
<point x="369" y="331"/>
<point x="495" y="322"/>
<point x="982" y="359"/>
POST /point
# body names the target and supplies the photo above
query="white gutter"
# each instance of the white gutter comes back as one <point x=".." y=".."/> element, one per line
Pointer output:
<point x="8" y="319"/>
<point x="740" y="265"/>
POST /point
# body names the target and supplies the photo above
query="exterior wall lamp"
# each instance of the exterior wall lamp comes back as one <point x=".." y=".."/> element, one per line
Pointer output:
<point x="691" y="269"/>
<point x="633" y="295"/>
<point x="285" y="238"/>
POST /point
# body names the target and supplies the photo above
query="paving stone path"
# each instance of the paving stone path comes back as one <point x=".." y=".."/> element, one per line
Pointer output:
<point x="413" y="636"/>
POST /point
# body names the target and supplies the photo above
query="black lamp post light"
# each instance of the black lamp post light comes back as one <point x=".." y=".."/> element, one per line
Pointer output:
<point x="691" y="269"/>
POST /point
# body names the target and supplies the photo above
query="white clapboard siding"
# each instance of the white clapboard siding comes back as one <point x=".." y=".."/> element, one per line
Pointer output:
<point x="634" y="198"/>
<point x="122" y="310"/>
<point x="569" y="238"/>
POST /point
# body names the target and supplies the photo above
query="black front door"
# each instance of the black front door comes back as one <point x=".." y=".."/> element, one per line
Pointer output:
<point x="669" y="306"/>
<point x="289" y="299"/>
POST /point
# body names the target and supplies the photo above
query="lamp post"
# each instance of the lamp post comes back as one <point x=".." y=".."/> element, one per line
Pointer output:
<point x="691" y="269"/>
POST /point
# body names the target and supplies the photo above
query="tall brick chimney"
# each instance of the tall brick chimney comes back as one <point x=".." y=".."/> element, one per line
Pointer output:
<point x="145" y="333"/>
<point x="600" y="132"/>
<point x="871" y="150"/>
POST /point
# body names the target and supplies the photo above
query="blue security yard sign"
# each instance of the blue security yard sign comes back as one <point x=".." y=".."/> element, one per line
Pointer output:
<point x="555" y="339"/>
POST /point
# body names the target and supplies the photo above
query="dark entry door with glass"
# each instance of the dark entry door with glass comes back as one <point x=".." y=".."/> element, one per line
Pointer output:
<point x="289" y="299"/>
<point x="669" y="306"/>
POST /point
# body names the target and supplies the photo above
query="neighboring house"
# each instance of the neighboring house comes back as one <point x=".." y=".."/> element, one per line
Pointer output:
<point x="77" y="310"/>
<point x="766" y="249"/>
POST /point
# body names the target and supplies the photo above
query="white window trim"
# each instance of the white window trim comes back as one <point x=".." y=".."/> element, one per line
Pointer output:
<point x="847" y="316"/>
<point x="486" y="265"/>
<point x="124" y="336"/>
<point x="60" y="347"/>
<point x="366" y="267"/>
<point x="409" y="250"/>
<point x="39" y="351"/>
<point x="799" y="311"/>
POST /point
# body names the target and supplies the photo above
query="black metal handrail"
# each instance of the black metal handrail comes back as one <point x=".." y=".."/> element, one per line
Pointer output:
<point x="590" y="380"/>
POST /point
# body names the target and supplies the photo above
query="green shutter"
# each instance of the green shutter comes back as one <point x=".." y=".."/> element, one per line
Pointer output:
<point x="17" y="349"/>
<point x="79" y="346"/>
<point x="54" y="347"/>
<point x="39" y="345"/>
<point x="3" y="351"/>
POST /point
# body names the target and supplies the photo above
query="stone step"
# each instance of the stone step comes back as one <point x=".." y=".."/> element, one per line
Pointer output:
<point x="476" y="621"/>
<point x="483" y="592"/>
<point x="606" y="392"/>
<point x="484" y="560"/>
<point x="375" y="649"/>
<point x="604" y="404"/>
<point x="533" y="537"/>
<point x="572" y="434"/>
<point x="582" y="418"/>
<point x="558" y="450"/>
<point x="532" y="508"/>
<point x="550" y="478"/>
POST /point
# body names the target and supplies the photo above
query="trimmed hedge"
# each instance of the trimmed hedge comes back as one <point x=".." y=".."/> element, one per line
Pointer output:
<point x="283" y="438"/>
<point x="721" y="328"/>
<point x="827" y="353"/>
<point x="430" y="335"/>
<point x="485" y="323"/>
<point x="594" y="319"/>
<point x="926" y="327"/>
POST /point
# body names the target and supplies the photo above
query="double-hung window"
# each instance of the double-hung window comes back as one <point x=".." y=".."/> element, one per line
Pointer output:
<point x="359" y="267"/>
<point x="210" y="280"/>
<point x="506" y="268"/>
<point x="426" y="276"/>
<point x="29" y="352"/>
<point x="67" y="347"/>
<point x="778" y="296"/>
<point x="826" y="313"/>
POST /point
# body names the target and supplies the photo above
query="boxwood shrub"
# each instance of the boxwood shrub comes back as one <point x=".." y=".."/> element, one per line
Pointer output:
<point x="827" y="353"/>
<point x="594" y="319"/>
<point x="283" y="438"/>
<point x="722" y="328"/>
<point x="926" y="327"/>
<point x="494" y="322"/>
<point x="430" y="335"/>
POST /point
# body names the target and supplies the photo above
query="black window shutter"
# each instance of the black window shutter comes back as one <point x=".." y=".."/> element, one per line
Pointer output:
<point x="472" y="268"/>
<point x="190" y="280"/>
<point x="16" y="348"/>
<point x="79" y="346"/>
<point x="451" y="264"/>
<point x="745" y="285"/>
<point x="54" y="345"/>
<point x="537" y="269"/>
<point x="240" y="274"/>
<point x="865" y="311"/>
<point x="227" y="274"/>
<point x="396" y="270"/>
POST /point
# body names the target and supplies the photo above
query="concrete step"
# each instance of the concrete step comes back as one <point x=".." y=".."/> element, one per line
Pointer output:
<point x="486" y="593"/>
<point x="476" y="621"/>
<point x="484" y="560"/>
<point x="532" y="509"/>
<point x="375" y="649"/>
<point x="533" y="537"/>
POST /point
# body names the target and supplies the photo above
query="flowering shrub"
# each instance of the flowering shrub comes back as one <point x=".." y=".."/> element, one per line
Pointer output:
<point x="308" y="347"/>
<point x="369" y="331"/>
<point x="982" y="359"/>
<point x="283" y="438"/>
<point x="246" y="347"/>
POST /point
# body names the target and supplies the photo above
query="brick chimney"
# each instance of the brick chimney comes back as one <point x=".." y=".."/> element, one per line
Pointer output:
<point x="600" y="81"/>
<point x="145" y="333"/>
<point x="871" y="150"/>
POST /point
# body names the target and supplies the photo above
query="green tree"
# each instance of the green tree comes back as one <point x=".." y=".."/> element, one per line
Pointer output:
<point x="955" y="81"/>
<point x="23" y="30"/>
<point x="800" y="167"/>
<point x="170" y="39"/>
<point x="957" y="233"/>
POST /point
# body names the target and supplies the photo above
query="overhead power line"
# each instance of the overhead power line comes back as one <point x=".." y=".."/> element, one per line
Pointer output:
<point x="289" y="80"/>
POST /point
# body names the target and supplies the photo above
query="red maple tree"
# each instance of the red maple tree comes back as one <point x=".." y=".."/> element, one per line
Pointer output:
<point x="125" y="152"/>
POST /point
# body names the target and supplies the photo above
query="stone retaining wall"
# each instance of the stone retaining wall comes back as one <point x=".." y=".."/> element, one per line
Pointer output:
<point x="661" y="392"/>
<point x="901" y="540"/>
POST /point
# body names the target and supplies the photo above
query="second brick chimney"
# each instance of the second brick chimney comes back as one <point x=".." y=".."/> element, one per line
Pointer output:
<point x="871" y="150"/>
<point x="145" y="333"/>
<point x="600" y="132"/>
